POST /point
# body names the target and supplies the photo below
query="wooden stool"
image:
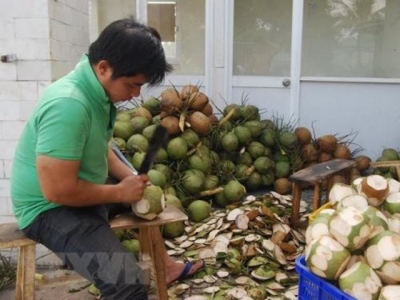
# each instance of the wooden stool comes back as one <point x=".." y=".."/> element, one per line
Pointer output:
<point x="11" y="236"/>
<point x="151" y="242"/>
<point x="315" y="175"/>
<point x="392" y="163"/>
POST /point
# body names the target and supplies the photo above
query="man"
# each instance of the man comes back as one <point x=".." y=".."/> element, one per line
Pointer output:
<point x="62" y="161"/>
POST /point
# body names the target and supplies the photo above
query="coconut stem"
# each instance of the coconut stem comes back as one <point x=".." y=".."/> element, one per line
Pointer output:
<point x="227" y="117"/>
<point x="212" y="192"/>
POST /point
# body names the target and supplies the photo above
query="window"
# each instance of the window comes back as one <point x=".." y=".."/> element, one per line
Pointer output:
<point x="262" y="37"/>
<point x="351" y="38"/>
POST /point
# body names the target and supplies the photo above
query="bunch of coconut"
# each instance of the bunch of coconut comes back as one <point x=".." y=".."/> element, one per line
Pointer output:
<point x="353" y="243"/>
<point x="388" y="155"/>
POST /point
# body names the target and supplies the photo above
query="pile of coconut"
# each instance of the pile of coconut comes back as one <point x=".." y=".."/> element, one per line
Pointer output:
<point x="356" y="243"/>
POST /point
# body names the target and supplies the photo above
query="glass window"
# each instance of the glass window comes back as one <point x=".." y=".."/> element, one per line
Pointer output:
<point x="262" y="37"/>
<point x="112" y="10"/>
<point x="351" y="38"/>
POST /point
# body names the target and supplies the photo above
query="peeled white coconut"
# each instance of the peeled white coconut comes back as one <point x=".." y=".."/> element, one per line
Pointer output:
<point x="357" y="201"/>
<point x="339" y="191"/>
<point x="390" y="292"/>
<point x="361" y="282"/>
<point x="394" y="185"/>
<point x="382" y="253"/>
<point x="326" y="257"/>
<point x="152" y="203"/>
<point x="319" y="226"/>
<point x="350" y="228"/>
<point x="356" y="183"/>
<point x="391" y="206"/>
<point x="356" y="256"/>
<point x="377" y="220"/>
<point x="394" y="224"/>
<point x="375" y="188"/>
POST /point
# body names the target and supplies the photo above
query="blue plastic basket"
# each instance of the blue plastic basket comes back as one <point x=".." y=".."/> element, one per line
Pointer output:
<point x="312" y="287"/>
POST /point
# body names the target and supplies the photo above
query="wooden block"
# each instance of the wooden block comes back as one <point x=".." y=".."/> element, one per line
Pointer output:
<point x="25" y="281"/>
<point x="11" y="236"/>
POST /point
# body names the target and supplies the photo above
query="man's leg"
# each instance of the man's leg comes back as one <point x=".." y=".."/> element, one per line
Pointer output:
<point x="82" y="238"/>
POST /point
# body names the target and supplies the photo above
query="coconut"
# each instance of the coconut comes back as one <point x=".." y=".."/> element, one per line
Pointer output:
<point x="236" y="111"/>
<point x="199" y="210"/>
<point x="208" y="111"/>
<point x="188" y="90"/>
<point x="390" y="292"/>
<point x="170" y="101"/>
<point x="234" y="191"/>
<point x="356" y="256"/>
<point x="191" y="137"/>
<point x="171" y="123"/>
<point x="193" y="182"/>
<point x="211" y="182"/>
<point x="377" y="220"/>
<point x="394" y="224"/>
<point x="267" y="137"/>
<point x="148" y="132"/>
<point x="123" y="129"/>
<point x="319" y="226"/>
<point x="163" y="169"/>
<point x="152" y="104"/>
<point x="375" y="188"/>
<point x="243" y="134"/>
<point x="256" y="149"/>
<point x="199" y="123"/>
<point x="304" y="135"/>
<point x="357" y="201"/>
<point x="229" y="142"/>
<point x="220" y="199"/>
<point x="263" y="164"/>
<point x="254" y="181"/>
<point x="123" y="116"/>
<point x="177" y="148"/>
<point x="132" y="246"/>
<point x="326" y="257"/>
<point x="324" y="156"/>
<point x="249" y="112"/>
<point x="137" y="142"/>
<point x="288" y="140"/>
<point x="255" y="126"/>
<point x="245" y="159"/>
<point x="354" y="174"/>
<point x="282" y="169"/>
<point x="140" y="111"/>
<point x="197" y="101"/>
<point x="342" y="151"/>
<point x="382" y="254"/>
<point x="137" y="159"/>
<point x="309" y="153"/>
<point x="392" y="205"/>
<point x="202" y="163"/>
<point x="390" y="154"/>
<point x="394" y="186"/>
<point x="173" y="230"/>
<point x="268" y="178"/>
<point x="161" y="155"/>
<point x="361" y="282"/>
<point x="173" y="200"/>
<point x="339" y="191"/>
<point x="152" y="203"/>
<point x="283" y="186"/>
<point x="120" y="142"/>
<point x="139" y="123"/>
<point x="157" y="178"/>
<point x="327" y="143"/>
<point x="350" y="228"/>
<point x="362" y="163"/>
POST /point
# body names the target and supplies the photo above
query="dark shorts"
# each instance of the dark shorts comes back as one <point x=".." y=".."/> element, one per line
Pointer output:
<point x="82" y="238"/>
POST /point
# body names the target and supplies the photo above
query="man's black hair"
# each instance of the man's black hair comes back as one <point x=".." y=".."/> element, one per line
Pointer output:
<point x="131" y="48"/>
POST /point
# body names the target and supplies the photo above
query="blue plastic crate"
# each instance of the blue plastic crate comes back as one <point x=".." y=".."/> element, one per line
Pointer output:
<point x="312" y="287"/>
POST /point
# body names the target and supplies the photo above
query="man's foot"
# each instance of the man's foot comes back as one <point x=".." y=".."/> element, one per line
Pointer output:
<point x="180" y="271"/>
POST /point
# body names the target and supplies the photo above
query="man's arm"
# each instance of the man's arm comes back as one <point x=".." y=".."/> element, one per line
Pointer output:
<point x="116" y="168"/>
<point x="60" y="184"/>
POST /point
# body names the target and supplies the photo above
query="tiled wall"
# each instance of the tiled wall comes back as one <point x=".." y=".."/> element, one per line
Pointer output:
<point x="48" y="37"/>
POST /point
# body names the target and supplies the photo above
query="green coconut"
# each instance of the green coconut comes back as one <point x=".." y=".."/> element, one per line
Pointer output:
<point x="319" y="226"/>
<point x="383" y="253"/>
<point x="199" y="210"/>
<point x="339" y="191"/>
<point x="163" y="169"/>
<point x="256" y="127"/>
<point x="177" y="148"/>
<point x="377" y="220"/>
<point x="326" y="257"/>
<point x="157" y="178"/>
<point x="137" y="142"/>
<point x="282" y="169"/>
<point x="137" y="159"/>
<point x="120" y="142"/>
<point x="202" y="163"/>
<point x="392" y="205"/>
<point x="152" y="203"/>
<point x="249" y="112"/>
<point x="256" y="149"/>
<point x="236" y="113"/>
<point x="361" y="282"/>
<point x="390" y="292"/>
<point x="173" y="230"/>
<point x="268" y="178"/>
<point x="191" y="137"/>
<point x="242" y="172"/>
<point x="132" y="246"/>
<point x="161" y="155"/>
<point x="254" y="181"/>
<point x="357" y="201"/>
<point x="263" y="164"/>
<point x="211" y="182"/>
<point x="220" y="199"/>
<point x="139" y="123"/>
<point x="267" y="137"/>
<point x="245" y="158"/>
<point x="152" y="104"/>
<point x="350" y="228"/>
<point x="123" y="129"/>
<point x="171" y="199"/>
<point x="229" y="142"/>
<point x="148" y="132"/>
<point x="243" y="134"/>
<point x="123" y="116"/>
<point x="193" y="182"/>
<point x="390" y="154"/>
<point x="234" y="191"/>
<point x="140" y="111"/>
<point x="288" y="140"/>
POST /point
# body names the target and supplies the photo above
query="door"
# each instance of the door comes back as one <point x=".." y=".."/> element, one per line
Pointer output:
<point x="265" y="55"/>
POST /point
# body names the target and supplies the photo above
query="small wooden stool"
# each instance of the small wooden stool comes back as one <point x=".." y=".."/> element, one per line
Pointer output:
<point x="315" y="175"/>
<point x="151" y="242"/>
<point x="10" y="237"/>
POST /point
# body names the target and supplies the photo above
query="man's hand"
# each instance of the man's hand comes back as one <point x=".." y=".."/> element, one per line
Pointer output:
<point x="132" y="188"/>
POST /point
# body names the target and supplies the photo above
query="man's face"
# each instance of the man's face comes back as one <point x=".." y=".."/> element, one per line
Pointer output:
<point x="119" y="89"/>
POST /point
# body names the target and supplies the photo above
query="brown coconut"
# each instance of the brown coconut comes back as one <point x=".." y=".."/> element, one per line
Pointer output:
<point x="283" y="186"/>
<point x="208" y="109"/>
<point x="170" y="101"/>
<point x="213" y="119"/>
<point x="327" y="143"/>
<point x="304" y="135"/>
<point x="309" y="153"/>
<point x="324" y="156"/>
<point x="363" y="163"/>
<point x="187" y="90"/>
<point x="342" y="151"/>
<point x="197" y="101"/>
<point x="171" y="123"/>
<point x="375" y="188"/>
<point x="199" y="123"/>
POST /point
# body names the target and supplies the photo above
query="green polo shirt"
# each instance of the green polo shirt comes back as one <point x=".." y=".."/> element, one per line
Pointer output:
<point x="73" y="120"/>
